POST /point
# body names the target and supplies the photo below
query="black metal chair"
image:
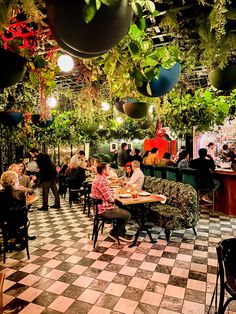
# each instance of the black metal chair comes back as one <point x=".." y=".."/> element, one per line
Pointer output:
<point x="14" y="225"/>
<point x="99" y="222"/>
<point x="226" y="254"/>
<point x="86" y="192"/>
<point x="74" y="193"/>
<point x="62" y="185"/>
<point x="173" y="174"/>
<point x="148" y="170"/>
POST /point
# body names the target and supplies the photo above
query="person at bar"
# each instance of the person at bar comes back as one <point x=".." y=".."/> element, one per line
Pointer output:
<point x="152" y="159"/>
<point x="205" y="164"/>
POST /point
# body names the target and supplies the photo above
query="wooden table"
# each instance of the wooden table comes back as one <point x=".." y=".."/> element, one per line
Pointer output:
<point x="143" y="210"/>
<point x="225" y="198"/>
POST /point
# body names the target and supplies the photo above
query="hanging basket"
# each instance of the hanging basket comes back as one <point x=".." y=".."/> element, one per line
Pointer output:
<point x="36" y="119"/>
<point x="136" y="110"/>
<point x="224" y="79"/>
<point x="147" y="122"/>
<point x="12" y="68"/>
<point x="11" y="118"/>
<point x="108" y="27"/>
<point x="89" y="128"/>
<point x="167" y="79"/>
<point x="75" y="53"/>
<point x="119" y="105"/>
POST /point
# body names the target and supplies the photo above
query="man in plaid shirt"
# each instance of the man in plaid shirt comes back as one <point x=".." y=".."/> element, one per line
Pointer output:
<point x="102" y="190"/>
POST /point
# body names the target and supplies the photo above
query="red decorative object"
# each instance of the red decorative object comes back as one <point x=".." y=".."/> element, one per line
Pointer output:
<point x="159" y="131"/>
<point x="20" y="35"/>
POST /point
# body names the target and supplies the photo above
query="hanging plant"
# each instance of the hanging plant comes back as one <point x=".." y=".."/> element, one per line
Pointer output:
<point x="91" y="33"/>
<point x="202" y="110"/>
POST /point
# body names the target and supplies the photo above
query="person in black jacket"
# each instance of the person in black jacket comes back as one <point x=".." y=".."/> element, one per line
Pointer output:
<point x="48" y="178"/>
<point x="205" y="164"/>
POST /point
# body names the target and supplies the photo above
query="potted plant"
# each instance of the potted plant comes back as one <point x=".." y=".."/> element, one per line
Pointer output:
<point x="13" y="67"/>
<point x="224" y="79"/>
<point x="37" y="120"/>
<point x="136" y="109"/>
<point x="9" y="116"/>
<point x="162" y="83"/>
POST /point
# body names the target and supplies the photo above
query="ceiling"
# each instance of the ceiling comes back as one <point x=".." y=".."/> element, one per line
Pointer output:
<point x="188" y="13"/>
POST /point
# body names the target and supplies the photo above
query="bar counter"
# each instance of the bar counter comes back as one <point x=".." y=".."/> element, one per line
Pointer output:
<point x="225" y="198"/>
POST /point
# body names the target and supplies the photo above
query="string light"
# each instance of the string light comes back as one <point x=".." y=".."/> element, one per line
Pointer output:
<point x="51" y="102"/>
<point x="65" y="63"/>
<point x="105" y="106"/>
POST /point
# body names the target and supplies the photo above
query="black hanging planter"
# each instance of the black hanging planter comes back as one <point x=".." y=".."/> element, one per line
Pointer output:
<point x="108" y="27"/>
<point x="11" y="118"/>
<point x="119" y="105"/>
<point x="146" y="123"/>
<point x="75" y="53"/>
<point x="136" y="110"/>
<point x="12" y="68"/>
<point x="36" y="119"/>
<point x="224" y="79"/>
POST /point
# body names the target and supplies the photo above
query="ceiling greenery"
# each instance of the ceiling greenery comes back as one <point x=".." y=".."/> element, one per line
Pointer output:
<point x="196" y="33"/>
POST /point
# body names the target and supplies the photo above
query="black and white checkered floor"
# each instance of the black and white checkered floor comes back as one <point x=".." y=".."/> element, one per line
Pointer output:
<point x="65" y="274"/>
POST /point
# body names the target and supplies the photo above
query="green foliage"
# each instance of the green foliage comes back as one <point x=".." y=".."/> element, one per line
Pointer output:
<point x="202" y="110"/>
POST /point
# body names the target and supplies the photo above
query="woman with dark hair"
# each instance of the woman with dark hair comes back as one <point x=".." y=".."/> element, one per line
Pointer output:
<point x="129" y="156"/>
<point x="166" y="161"/>
<point x="153" y="158"/>
<point x="183" y="160"/>
<point x="137" y="155"/>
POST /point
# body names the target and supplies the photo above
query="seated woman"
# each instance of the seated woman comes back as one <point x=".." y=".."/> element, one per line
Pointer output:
<point x="12" y="200"/>
<point x="75" y="181"/>
<point x="61" y="178"/>
<point x="25" y="183"/>
<point x="166" y="161"/>
<point x="128" y="173"/>
<point x="112" y="175"/>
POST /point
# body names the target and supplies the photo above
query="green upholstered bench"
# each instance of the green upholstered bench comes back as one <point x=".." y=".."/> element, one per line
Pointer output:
<point x="180" y="210"/>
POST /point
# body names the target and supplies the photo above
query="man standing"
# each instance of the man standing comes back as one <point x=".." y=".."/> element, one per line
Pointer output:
<point x="204" y="164"/>
<point x="137" y="176"/>
<point x="47" y="175"/>
<point x="122" y="156"/>
<point x="102" y="190"/>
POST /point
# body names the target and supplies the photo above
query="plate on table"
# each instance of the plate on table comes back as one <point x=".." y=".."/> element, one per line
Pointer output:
<point x="144" y="193"/>
<point x="125" y="195"/>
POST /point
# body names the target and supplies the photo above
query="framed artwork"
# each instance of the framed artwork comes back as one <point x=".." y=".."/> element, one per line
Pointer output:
<point x="130" y="146"/>
<point x="113" y="146"/>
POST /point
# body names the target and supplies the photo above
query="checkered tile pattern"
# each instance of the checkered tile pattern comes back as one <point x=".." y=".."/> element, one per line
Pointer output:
<point x="65" y="274"/>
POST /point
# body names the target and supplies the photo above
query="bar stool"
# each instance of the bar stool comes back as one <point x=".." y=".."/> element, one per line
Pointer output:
<point x="192" y="177"/>
<point x="148" y="170"/>
<point x="173" y="174"/>
<point x="159" y="172"/>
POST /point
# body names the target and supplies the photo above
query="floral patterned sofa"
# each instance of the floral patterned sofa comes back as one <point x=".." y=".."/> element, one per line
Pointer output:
<point x="180" y="210"/>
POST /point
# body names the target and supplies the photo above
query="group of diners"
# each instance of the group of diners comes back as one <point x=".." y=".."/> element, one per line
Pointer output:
<point x="76" y="170"/>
